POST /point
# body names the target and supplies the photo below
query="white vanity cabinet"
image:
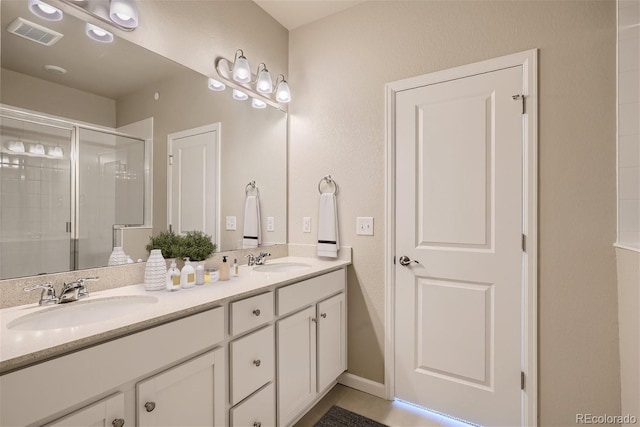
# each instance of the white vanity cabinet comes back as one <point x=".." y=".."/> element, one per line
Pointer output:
<point x="311" y="343"/>
<point x="167" y="360"/>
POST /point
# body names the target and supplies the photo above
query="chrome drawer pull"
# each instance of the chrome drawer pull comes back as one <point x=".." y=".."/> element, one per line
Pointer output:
<point x="150" y="406"/>
<point x="256" y="312"/>
<point x="257" y="362"/>
<point x="118" y="422"/>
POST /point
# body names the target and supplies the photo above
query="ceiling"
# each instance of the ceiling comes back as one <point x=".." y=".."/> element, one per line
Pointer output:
<point x="295" y="13"/>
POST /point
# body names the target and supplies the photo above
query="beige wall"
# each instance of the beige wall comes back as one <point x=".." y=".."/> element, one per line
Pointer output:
<point x="253" y="147"/>
<point x="338" y="68"/>
<point x="21" y="90"/>
<point x="628" y="302"/>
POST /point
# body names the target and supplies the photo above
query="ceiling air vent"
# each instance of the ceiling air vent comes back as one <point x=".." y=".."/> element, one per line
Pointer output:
<point x="34" y="32"/>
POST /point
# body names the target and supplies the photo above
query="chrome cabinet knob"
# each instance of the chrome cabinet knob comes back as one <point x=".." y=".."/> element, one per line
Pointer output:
<point x="118" y="422"/>
<point x="256" y="312"/>
<point x="150" y="406"/>
<point x="405" y="261"/>
<point x="257" y="362"/>
<point x="323" y="315"/>
<point x="257" y="424"/>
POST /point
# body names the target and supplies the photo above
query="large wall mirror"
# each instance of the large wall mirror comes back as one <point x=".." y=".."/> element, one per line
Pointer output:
<point x="115" y="107"/>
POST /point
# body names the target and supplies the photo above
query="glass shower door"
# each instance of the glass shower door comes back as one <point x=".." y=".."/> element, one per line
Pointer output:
<point x="110" y="191"/>
<point x="35" y="198"/>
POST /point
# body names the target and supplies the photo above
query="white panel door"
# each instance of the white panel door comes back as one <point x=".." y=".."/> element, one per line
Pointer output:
<point x="459" y="215"/>
<point x="108" y="412"/>
<point x="193" y="180"/>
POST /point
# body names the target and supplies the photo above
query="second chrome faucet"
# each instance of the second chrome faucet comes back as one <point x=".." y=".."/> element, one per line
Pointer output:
<point x="70" y="292"/>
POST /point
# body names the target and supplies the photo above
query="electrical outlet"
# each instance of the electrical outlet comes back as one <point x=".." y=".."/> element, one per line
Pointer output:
<point x="364" y="226"/>
<point x="271" y="223"/>
<point x="306" y="224"/>
<point x="231" y="223"/>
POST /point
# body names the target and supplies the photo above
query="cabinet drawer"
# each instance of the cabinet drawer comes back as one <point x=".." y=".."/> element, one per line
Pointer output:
<point x="252" y="363"/>
<point x="294" y="297"/>
<point x="249" y="313"/>
<point x="258" y="410"/>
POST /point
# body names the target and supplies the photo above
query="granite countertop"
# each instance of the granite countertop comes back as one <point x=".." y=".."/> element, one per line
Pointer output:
<point x="20" y="348"/>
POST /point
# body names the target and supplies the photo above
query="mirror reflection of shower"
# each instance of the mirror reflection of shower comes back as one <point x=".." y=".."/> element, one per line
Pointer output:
<point x="62" y="188"/>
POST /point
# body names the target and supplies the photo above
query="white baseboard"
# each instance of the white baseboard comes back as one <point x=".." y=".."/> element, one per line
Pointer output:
<point x="362" y="384"/>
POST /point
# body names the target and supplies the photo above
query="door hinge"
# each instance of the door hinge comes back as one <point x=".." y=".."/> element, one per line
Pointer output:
<point x="522" y="377"/>
<point x="522" y="99"/>
<point x="524" y="243"/>
<point x="170" y="159"/>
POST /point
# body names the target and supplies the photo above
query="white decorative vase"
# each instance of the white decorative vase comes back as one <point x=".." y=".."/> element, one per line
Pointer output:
<point x="117" y="257"/>
<point x="155" y="271"/>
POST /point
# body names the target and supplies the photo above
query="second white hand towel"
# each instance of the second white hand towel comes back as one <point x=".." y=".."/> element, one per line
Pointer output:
<point x="328" y="240"/>
<point x="251" y="232"/>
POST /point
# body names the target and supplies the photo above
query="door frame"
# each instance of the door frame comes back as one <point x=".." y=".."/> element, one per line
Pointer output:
<point x="191" y="132"/>
<point x="529" y="61"/>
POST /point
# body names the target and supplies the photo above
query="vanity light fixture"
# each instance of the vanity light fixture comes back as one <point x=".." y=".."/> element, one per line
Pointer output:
<point x="263" y="82"/>
<point x="256" y="103"/>
<point x="239" y="95"/>
<point x="101" y="9"/>
<point x="241" y="69"/>
<point x="37" y="149"/>
<point x="45" y="11"/>
<point x="16" y="146"/>
<point x="283" y="93"/>
<point x="124" y="12"/>
<point x="215" y="85"/>
<point x="259" y="86"/>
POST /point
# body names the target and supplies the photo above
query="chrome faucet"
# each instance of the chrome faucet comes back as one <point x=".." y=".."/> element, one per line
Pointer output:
<point x="262" y="258"/>
<point x="75" y="290"/>
<point x="251" y="260"/>
<point x="48" y="295"/>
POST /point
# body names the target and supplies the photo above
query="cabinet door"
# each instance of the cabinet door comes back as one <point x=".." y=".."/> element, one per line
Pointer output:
<point x="105" y="413"/>
<point x="296" y="364"/>
<point x="331" y="340"/>
<point x="190" y="394"/>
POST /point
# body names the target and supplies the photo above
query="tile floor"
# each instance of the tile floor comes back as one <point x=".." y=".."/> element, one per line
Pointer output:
<point x="391" y="413"/>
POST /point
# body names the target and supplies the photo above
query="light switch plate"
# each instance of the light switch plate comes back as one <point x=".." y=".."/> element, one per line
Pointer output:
<point x="364" y="226"/>
<point x="231" y="223"/>
<point x="271" y="223"/>
<point x="306" y="224"/>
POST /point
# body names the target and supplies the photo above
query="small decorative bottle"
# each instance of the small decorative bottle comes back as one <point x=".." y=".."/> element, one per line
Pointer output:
<point x="187" y="275"/>
<point x="173" y="277"/>
<point x="224" y="269"/>
<point x="200" y="273"/>
<point x="117" y="257"/>
<point x="235" y="271"/>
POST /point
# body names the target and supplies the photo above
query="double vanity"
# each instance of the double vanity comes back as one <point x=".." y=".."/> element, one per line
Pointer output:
<point x="257" y="350"/>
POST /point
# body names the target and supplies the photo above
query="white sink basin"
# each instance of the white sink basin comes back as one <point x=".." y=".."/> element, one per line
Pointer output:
<point x="281" y="267"/>
<point x="82" y="312"/>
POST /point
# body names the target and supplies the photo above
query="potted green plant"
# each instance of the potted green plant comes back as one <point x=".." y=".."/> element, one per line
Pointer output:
<point x="197" y="246"/>
<point x="168" y="242"/>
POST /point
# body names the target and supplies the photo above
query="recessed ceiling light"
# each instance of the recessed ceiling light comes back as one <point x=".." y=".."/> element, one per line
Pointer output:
<point x="54" y="69"/>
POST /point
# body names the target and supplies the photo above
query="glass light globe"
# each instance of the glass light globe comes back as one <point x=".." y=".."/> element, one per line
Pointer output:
<point x="239" y="95"/>
<point x="282" y="92"/>
<point x="256" y="103"/>
<point x="241" y="70"/>
<point x="264" y="83"/>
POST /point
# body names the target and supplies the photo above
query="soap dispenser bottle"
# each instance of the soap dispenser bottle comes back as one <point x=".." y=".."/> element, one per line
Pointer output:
<point x="187" y="275"/>
<point x="224" y="269"/>
<point x="173" y="277"/>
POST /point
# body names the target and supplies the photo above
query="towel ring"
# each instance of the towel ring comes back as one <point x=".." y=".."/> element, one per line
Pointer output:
<point x="327" y="179"/>
<point x="251" y="186"/>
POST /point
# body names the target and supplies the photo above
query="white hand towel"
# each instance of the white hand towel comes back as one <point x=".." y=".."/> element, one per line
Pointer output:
<point x="328" y="240"/>
<point x="251" y="234"/>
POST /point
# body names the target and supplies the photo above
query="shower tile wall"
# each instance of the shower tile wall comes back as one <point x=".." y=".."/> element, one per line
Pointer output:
<point x="629" y="122"/>
<point x="34" y="201"/>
